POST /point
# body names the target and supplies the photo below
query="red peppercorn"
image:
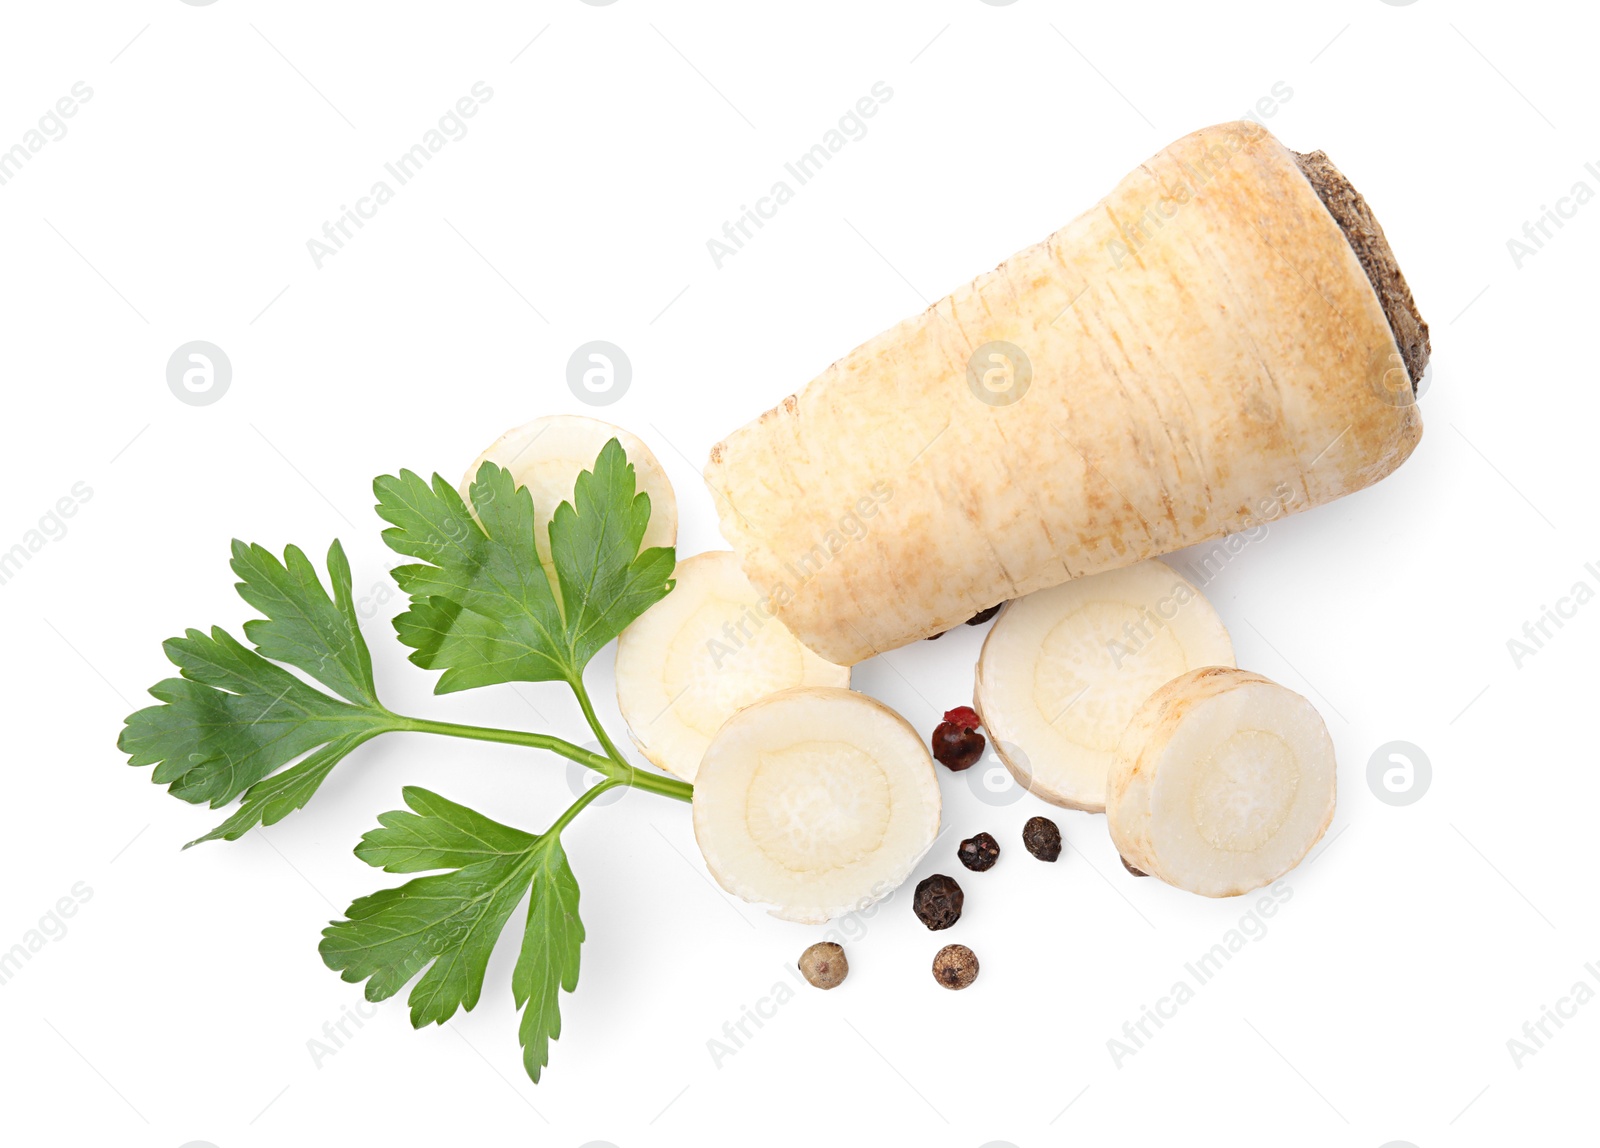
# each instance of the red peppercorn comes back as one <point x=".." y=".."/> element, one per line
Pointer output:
<point x="956" y="740"/>
<point x="964" y="716"/>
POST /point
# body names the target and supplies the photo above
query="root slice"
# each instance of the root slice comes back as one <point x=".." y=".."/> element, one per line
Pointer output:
<point x="816" y="801"/>
<point x="701" y="654"/>
<point x="1064" y="669"/>
<point x="546" y="456"/>
<point x="1223" y="781"/>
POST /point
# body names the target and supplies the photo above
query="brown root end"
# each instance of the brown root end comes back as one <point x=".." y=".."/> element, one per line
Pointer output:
<point x="1367" y="240"/>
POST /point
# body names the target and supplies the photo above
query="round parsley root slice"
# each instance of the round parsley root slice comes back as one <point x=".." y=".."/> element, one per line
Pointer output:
<point x="706" y="650"/>
<point x="1223" y="782"/>
<point x="1064" y="669"/>
<point x="816" y="801"/>
<point x="547" y="455"/>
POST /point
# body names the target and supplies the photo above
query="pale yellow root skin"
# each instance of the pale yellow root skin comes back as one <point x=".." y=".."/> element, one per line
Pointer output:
<point x="1239" y="349"/>
<point x="1222" y="782"/>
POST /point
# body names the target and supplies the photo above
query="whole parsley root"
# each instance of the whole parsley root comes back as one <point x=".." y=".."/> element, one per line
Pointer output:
<point x="1247" y="289"/>
<point x="487" y="606"/>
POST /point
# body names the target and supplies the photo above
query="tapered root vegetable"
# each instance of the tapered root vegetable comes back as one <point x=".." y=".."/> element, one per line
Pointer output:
<point x="1064" y="669"/>
<point x="704" y="651"/>
<point x="547" y="454"/>
<point x="1223" y="782"/>
<point x="1224" y="338"/>
<point x="815" y="801"/>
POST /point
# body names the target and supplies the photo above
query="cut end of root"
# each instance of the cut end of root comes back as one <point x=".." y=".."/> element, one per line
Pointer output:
<point x="1366" y="239"/>
<point x="1223" y="783"/>
<point x="816" y="801"/>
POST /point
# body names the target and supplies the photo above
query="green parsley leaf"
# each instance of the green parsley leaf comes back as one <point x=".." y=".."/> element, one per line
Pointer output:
<point x="270" y="800"/>
<point x="234" y="717"/>
<point x="302" y="625"/>
<point x="483" y="609"/>
<point x="594" y="542"/>
<point x="549" y="957"/>
<point x="448" y="922"/>
<point x="438" y="834"/>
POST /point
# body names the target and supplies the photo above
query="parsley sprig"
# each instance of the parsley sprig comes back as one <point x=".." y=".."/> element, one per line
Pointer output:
<point x="483" y="611"/>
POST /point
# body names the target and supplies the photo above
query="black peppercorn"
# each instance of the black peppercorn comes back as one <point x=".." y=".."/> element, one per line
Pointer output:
<point x="957" y="744"/>
<point x="979" y="853"/>
<point x="938" y="901"/>
<point x="1042" y="838"/>
<point x="1130" y="868"/>
<point x="955" y="966"/>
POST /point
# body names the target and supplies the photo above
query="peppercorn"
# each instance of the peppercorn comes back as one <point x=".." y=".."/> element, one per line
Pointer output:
<point x="1130" y="868"/>
<point x="824" y="965"/>
<point x="979" y="853"/>
<point x="957" y="744"/>
<point x="1042" y="838"/>
<point x="938" y="901"/>
<point x="955" y="966"/>
<point x="983" y="616"/>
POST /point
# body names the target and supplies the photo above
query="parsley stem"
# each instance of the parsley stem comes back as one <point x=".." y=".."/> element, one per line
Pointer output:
<point x="594" y="723"/>
<point x="621" y="768"/>
<point x="615" y="768"/>
<point x="510" y="737"/>
<point x="654" y="783"/>
<point x="577" y="806"/>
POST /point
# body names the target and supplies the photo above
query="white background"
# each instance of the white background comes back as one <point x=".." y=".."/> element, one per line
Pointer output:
<point x="179" y="1004"/>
